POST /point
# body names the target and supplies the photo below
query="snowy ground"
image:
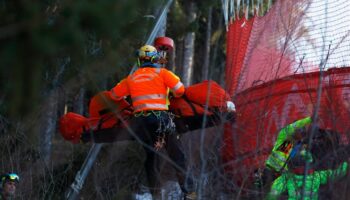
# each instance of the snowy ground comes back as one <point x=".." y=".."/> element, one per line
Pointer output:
<point x="169" y="191"/>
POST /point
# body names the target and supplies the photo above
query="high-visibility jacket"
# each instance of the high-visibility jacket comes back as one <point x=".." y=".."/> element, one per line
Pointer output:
<point x="284" y="145"/>
<point x="149" y="88"/>
<point x="294" y="183"/>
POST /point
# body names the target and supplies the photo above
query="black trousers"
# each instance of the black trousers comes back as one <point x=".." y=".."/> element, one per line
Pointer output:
<point x="146" y="129"/>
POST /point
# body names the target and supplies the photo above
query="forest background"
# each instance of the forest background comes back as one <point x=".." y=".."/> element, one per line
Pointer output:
<point x="57" y="54"/>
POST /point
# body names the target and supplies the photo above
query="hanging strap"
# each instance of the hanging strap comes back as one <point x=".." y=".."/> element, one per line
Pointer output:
<point x="190" y="104"/>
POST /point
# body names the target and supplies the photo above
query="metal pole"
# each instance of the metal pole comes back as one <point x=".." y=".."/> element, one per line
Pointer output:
<point x="79" y="180"/>
<point x="156" y="28"/>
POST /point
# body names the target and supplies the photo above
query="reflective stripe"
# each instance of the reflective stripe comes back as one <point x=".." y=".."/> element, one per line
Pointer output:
<point x="149" y="96"/>
<point x="278" y="156"/>
<point x="158" y="70"/>
<point x="143" y="80"/>
<point x="177" y="86"/>
<point x="276" y="161"/>
<point x="141" y="77"/>
<point x="151" y="106"/>
<point x="274" y="165"/>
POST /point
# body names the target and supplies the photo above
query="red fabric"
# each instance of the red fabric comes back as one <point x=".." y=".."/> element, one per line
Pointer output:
<point x="198" y="93"/>
<point x="104" y="113"/>
<point x="103" y="101"/>
<point x="71" y="126"/>
<point x="181" y="107"/>
<point x="237" y="43"/>
<point x="260" y="49"/>
<point x="110" y="110"/>
<point x="263" y="110"/>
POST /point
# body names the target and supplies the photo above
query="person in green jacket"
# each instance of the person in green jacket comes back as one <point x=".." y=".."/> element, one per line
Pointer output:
<point x="288" y="139"/>
<point x="285" y="142"/>
<point x="301" y="183"/>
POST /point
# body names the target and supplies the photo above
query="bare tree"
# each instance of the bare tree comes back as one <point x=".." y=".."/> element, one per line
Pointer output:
<point x="205" y="69"/>
<point x="189" y="43"/>
<point x="49" y="113"/>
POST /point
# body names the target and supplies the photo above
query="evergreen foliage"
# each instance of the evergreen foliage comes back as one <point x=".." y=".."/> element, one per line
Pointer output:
<point x="38" y="37"/>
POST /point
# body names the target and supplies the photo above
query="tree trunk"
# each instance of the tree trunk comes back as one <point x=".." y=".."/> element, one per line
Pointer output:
<point x="217" y="71"/>
<point x="79" y="102"/>
<point x="179" y="58"/>
<point x="48" y="118"/>
<point x="171" y="60"/>
<point x="48" y="125"/>
<point x="189" y="48"/>
<point x="205" y="69"/>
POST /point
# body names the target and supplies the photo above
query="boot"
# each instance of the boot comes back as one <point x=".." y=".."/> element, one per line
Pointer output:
<point x="190" y="196"/>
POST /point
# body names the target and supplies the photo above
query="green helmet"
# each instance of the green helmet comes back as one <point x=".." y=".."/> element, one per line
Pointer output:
<point x="9" y="177"/>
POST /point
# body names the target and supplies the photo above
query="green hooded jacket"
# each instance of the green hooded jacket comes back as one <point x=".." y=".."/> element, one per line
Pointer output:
<point x="293" y="183"/>
<point x="279" y="155"/>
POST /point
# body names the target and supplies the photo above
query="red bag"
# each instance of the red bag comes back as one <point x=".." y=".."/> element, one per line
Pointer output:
<point x="181" y="107"/>
<point x="109" y="110"/>
<point x="104" y="113"/>
<point x="102" y="104"/>
<point x="196" y="97"/>
<point x="71" y="126"/>
<point x="198" y="93"/>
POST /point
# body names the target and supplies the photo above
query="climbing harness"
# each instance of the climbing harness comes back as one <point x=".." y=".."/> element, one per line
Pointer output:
<point x="166" y="126"/>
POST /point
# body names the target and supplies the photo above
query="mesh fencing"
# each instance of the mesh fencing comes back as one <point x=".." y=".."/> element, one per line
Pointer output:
<point x="275" y="65"/>
<point x="295" y="36"/>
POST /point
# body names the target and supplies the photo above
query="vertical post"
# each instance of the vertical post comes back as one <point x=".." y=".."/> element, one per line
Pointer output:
<point x="79" y="180"/>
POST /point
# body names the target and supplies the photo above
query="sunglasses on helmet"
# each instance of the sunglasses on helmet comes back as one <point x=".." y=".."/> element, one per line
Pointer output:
<point x="11" y="177"/>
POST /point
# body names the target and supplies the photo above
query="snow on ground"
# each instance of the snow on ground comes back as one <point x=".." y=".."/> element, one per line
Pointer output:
<point x="169" y="191"/>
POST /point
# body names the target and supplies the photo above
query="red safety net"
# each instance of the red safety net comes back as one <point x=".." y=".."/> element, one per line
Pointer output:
<point x="264" y="109"/>
<point x="258" y="49"/>
<point x="238" y="36"/>
<point x="272" y="85"/>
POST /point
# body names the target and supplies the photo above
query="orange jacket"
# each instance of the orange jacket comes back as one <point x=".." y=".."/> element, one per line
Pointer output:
<point x="148" y="88"/>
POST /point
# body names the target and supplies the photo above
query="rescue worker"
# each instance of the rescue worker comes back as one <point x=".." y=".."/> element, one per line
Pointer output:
<point x="285" y="142"/>
<point x="8" y="185"/>
<point x="293" y="180"/>
<point x="152" y="124"/>
<point x="288" y="138"/>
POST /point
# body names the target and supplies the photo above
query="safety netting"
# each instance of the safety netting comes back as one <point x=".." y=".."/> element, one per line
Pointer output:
<point x="275" y="67"/>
